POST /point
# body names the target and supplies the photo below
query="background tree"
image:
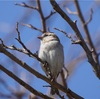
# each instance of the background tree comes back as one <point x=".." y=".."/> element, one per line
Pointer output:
<point x="75" y="23"/>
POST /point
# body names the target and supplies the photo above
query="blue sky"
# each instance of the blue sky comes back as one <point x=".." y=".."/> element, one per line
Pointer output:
<point x="83" y="80"/>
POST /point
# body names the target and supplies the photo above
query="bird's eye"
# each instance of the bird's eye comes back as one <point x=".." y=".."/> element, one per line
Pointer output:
<point x="45" y="35"/>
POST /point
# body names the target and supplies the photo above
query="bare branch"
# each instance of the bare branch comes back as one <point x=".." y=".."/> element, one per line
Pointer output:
<point x="65" y="34"/>
<point x="45" y="64"/>
<point x="24" y="51"/>
<point x="90" y="18"/>
<point x="71" y="12"/>
<point x="73" y="41"/>
<point x="73" y="25"/>
<point x="34" y="72"/>
<point x="77" y="42"/>
<point x="21" y="82"/>
<point x="42" y="16"/>
<point x="25" y="48"/>
<point x="32" y="27"/>
<point x="12" y="47"/>
<point x="29" y="53"/>
<point x="39" y="9"/>
<point x="52" y="13"/>
<point x="64" y="83"/>
<point x="19" y="39"/>
<point x="25" y="5"/>
<point x="95" y="56"/>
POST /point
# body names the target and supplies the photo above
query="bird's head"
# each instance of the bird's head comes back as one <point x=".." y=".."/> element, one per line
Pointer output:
<point x="48" y="36"/>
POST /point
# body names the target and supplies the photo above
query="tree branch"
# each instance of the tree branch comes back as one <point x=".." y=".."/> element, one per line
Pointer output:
<point x="73" y="41"/>
<point x="95" y="56"/>
<point x="25" y="48"/>
<point x="32" y="27"/>
<point x="21" y="82"/>
<point x="42" y="16"/>
<point x="79" y="36"/>
<point x="34" y="72"/>
<point x="51" y="13"/>
<point x="64" y="83"/>
<point x="90" y="18"/>
<point x="70" y="12"/>
<point x="25" y="5"/>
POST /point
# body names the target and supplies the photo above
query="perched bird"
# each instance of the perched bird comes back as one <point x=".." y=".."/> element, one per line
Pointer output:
<point x="51" y="51"/>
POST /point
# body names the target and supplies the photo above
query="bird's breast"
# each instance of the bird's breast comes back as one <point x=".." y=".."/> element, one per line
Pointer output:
<point x="50" y="45"/>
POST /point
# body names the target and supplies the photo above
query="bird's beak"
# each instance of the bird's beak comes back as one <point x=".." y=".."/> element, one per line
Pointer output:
<point x="39" y="37"/>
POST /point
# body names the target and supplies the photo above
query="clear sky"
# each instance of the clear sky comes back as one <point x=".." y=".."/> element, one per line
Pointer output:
<point x="83" y="80"/>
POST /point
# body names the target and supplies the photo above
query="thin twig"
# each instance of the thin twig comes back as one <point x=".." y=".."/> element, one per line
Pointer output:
<point x="73" y="41"/>
<point x="17" y="24"/>
<point x="32" y="27"/>
<point x="29" y="52"/>
<point x="71" y="12"/>
<point x="65" y="34"/>
<point x="90" y="18"/>
<point x="42" y="16"/>
<point x="12" y="47"/>
<point x="39" y="9"/>
<point x="26" y="5"/>
<point x="51" y="13"/>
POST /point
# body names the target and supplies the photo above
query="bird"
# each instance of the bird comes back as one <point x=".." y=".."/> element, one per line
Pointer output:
<point x="51" y="51"/>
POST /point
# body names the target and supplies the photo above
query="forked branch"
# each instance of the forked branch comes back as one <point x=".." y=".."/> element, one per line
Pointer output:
<point x="73" y="25"/>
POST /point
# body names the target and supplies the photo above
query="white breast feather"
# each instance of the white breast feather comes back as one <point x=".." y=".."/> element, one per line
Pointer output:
<point x="53" y="55"/>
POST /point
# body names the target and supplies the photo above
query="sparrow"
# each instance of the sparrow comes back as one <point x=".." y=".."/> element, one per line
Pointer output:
<point x="51" y="51"/>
